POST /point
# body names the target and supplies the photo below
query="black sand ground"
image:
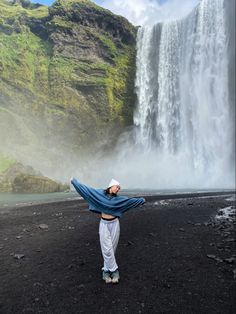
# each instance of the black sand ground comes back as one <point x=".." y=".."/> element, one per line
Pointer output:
<point x="172" y="256"/>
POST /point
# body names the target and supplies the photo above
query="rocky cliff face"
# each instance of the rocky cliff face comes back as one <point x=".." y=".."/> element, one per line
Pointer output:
<point x="66" y="79"/>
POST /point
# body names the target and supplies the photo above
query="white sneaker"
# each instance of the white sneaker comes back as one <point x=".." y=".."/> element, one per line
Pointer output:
<point x="115" y="276"/>
<point x="106" y="276"/>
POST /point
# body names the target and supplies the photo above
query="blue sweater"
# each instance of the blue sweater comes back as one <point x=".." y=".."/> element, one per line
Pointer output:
<point x="100" y="202"/>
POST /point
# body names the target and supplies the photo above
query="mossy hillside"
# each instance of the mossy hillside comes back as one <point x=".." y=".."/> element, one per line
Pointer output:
<point x="13" y="17"/>
<point x="14" y="11"/>
<point x="71" y="85"/>
<point x="67" y="7"/>
<point x="24" y="60"/>
<point x="87" y="13"/>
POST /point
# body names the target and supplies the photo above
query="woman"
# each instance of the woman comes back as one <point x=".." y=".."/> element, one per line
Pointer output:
<point x="111" y="207"/>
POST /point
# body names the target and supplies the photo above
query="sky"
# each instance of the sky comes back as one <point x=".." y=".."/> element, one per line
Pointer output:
<point x="143" y="12"/>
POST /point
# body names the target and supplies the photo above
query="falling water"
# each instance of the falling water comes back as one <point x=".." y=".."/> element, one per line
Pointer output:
<point x="183" y="117"/>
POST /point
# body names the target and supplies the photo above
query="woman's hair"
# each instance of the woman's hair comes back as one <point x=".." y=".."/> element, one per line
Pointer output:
<point x="107" y="191"/>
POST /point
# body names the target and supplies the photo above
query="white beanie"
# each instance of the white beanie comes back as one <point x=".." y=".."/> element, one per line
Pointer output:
<point x="113" y="182"/>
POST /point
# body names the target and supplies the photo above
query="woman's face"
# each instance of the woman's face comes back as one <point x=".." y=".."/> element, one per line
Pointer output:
<point x="114" y="189"/>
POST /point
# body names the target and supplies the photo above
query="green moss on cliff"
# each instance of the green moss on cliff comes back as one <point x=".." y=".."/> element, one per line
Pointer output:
<point x="24" y="183"/>
<point x="69" y="69"/>
<point x="24" y="60"/>
<point x="108" y="44"/>
<point x="119" y="83"/>
<point x="59" y="22"/>
<point x="5" y="163"/>
<point x="15" y="177"/>
<point x="13" y="11"/>
<point x="69" y="4"/>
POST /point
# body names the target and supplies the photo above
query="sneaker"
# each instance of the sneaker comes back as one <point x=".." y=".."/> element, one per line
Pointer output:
<point x="106" y="276"/>
<point x="115" y="276"/>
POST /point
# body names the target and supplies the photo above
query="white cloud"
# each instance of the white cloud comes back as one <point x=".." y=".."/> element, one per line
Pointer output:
<point x="141" y="12"/>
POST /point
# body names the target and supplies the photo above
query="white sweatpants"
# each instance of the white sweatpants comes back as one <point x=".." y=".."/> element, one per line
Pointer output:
<point x="109" y="233"/>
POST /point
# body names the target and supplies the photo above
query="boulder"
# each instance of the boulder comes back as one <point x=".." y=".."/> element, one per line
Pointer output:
<point x="24" y="179"/>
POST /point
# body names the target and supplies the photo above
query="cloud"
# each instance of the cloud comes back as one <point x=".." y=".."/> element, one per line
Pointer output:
<point x="142" y="12"/>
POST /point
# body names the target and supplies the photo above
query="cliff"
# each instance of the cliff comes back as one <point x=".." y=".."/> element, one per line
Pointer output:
<point x="66" y="79"/>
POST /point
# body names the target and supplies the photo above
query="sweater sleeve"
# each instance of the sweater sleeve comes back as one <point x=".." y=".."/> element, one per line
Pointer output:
<point x="82" y="189"/>
<point x="101" y="203"/>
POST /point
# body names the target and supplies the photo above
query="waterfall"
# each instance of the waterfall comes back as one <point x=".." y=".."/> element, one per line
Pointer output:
<point x="183" y="125"/>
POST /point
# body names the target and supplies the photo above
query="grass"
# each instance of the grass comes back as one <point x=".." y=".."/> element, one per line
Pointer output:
<point x="108" y="44"/>
<point x="59" y="22"/>
<point x="9" y="10"/>
<point x="24" y="59"/>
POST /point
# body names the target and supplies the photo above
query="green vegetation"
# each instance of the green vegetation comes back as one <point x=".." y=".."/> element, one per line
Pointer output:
<point x="9" y="10"/>
<point x="5" y="163"/>
<point x="72" y="72"/>
<point x="107" y="43"/>
<point x="58" y="22"/>
<point x="24" y="59"/>
<point x="68" y="4"/>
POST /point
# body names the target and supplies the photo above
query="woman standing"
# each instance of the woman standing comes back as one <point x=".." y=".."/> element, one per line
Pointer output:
<point x="111" y="207"/>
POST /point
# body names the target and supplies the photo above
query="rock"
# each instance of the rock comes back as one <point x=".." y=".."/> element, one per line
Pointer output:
<point x="81" y="286"/>
<point x="181" y="229"/>
<point x="217" y="259"/>
<point x="152" y="234"/>
<point x="24" y="183"/>
<point x="234" y="272"/>
<point x="18" y="256"/>
<point x="18" y="237"/>
<point x="130" y="243"/>
<point x="19" y="178"/>
<point x="229" y="240"/>
<point x="38" y="284"/>
<point x="43" y="227"/>
<point x="229" y="260"/>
